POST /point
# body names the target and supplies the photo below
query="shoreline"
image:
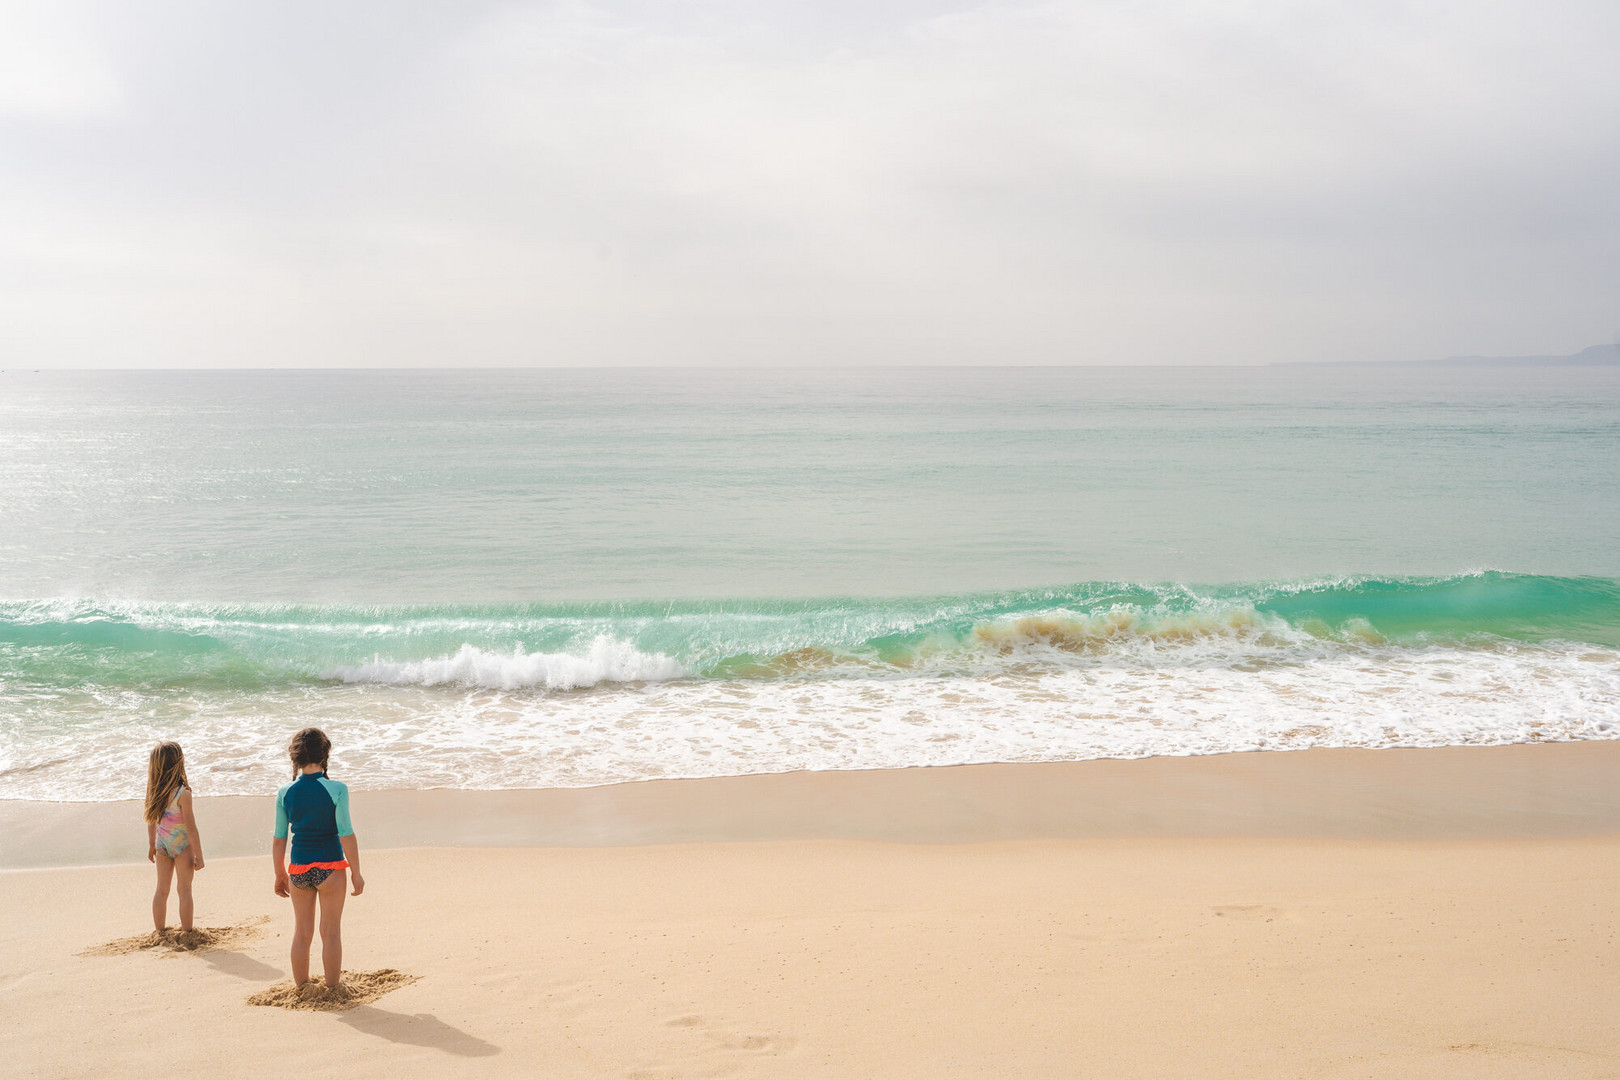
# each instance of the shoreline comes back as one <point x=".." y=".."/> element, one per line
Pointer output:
<point x="1534" y="790"/>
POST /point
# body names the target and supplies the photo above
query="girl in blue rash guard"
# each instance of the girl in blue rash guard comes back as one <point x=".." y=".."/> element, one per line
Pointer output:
<point x="324" y="851"/>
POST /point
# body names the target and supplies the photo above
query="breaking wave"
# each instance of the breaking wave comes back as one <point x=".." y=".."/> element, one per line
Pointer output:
<point x="566" y="695"/>
<point x="605" y="660"/>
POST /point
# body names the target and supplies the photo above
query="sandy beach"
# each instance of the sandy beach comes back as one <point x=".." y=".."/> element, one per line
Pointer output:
<point x="1443" y="913"/>
<point x="1011" y="540"/>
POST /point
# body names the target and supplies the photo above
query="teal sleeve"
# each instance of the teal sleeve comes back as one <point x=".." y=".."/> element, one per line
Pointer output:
<point x="281" y="814"/>
<point x="340" y="804"/>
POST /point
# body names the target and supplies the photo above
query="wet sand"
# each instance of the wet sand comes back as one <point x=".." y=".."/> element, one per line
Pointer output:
<point x="1324" y="914"/>
<point x="1540" y="790"/>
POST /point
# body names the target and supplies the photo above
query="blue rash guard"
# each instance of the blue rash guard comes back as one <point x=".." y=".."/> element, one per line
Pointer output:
<point x="317" y="811"/>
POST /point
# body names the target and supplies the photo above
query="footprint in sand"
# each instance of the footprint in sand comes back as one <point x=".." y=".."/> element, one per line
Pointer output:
<point x="1249" y="912"/>
<point x="714" y="1051"/>
<point x="172" y="940"/>
<point x="357" y="988"/>
<point x="730" y="1040"/>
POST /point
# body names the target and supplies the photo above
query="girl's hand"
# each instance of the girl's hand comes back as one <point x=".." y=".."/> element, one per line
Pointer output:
<point x="281" y="885"/>
<point x="151" y="853"/>
<point x="196" y="859"/>
<point x="357" y="881"/>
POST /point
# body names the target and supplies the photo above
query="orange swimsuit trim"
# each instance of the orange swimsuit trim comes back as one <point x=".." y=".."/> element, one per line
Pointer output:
<point x="302" y="867"/>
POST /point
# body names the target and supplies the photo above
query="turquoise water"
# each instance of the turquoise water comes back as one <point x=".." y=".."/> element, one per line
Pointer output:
<point x="498" y="579"/>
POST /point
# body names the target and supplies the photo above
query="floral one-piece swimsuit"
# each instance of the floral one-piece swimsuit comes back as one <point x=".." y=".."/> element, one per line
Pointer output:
<point x="172" y="837"/>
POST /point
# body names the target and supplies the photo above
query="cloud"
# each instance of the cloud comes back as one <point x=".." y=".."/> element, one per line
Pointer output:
<point x="439" y="183"/>
<point x="52" y="64"/>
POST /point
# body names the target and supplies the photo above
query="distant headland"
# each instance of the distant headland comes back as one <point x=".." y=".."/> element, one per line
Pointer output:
<point x="1596" y="354"/>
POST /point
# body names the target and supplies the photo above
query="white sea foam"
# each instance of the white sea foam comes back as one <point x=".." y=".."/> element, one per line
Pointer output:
<point x="606" y="660"/>
<point x="484" y="720"/>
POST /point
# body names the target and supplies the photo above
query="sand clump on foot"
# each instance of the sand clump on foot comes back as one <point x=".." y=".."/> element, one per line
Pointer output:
<point x="357" y="988"/>
<point x="174" y="940"/>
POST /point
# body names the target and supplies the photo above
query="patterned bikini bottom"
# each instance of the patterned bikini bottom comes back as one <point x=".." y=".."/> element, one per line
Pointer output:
<point x="312" y="878"/>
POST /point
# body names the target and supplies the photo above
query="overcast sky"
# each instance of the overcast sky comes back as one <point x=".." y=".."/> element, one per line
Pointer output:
<point x="845" y="182"/>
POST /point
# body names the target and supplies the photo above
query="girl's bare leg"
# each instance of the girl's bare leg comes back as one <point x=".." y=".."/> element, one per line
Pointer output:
<point x="160" y="899"/>
<point x="303" y="902"/>
<point x="183" y="870"/>
<point x="332" y="891"/>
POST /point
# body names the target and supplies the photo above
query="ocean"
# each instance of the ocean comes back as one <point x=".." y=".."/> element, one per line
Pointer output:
<point x="498" y="579"/>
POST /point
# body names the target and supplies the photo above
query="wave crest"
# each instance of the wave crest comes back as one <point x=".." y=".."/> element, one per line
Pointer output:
<point x="607" y="660"/>
<point x="1086" y="633"/>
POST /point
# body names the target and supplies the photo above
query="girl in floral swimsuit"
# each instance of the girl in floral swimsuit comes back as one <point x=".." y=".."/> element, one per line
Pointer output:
<point x="315" y="810"/>
<point x="172" y="840"/>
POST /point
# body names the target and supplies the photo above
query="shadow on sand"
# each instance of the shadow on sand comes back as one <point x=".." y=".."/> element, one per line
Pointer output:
<point x="421" y="1029"/>
<point x="240" y="965"/>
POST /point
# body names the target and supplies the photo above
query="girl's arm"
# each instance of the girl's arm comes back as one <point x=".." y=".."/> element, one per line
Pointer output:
<point x="278" y="855"/>
<point x="278" y="847"/>
<point x="345" y="831"/>
<point x="191" y="830"/>
<point x="151" y="841"/>
<point x="351" y="851"/>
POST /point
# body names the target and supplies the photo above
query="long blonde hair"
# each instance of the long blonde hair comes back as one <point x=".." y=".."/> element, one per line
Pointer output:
<point x="165" y="775"/>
